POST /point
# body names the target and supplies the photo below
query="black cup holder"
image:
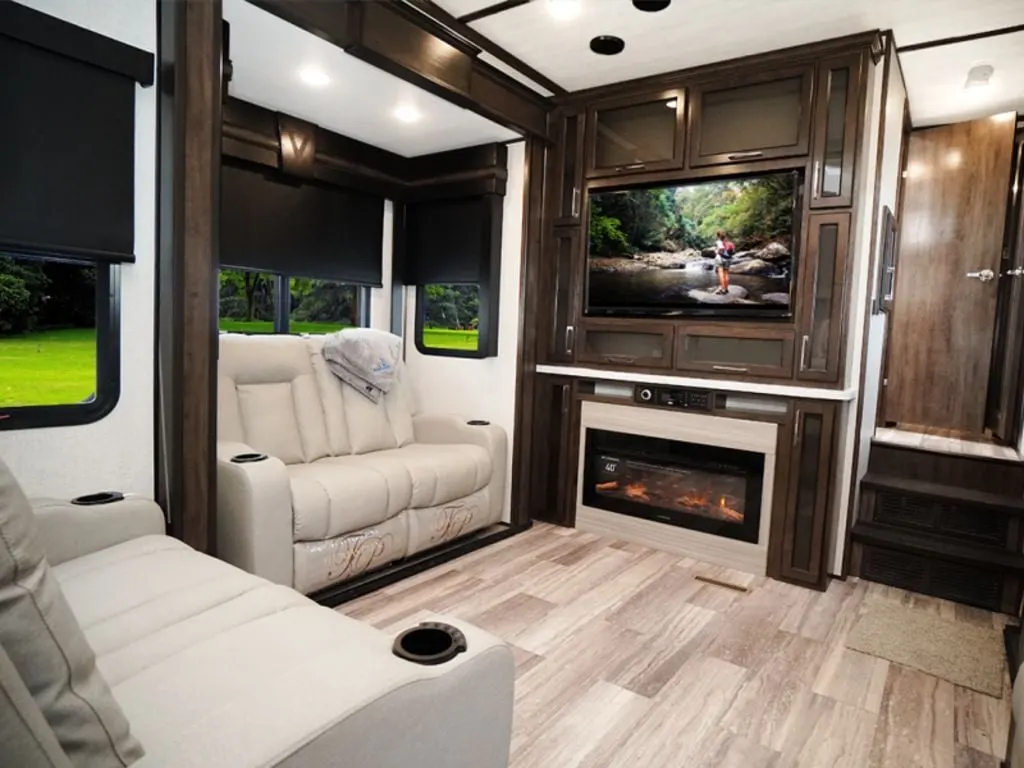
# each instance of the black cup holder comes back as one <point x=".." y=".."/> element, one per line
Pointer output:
<point x="478" y="423"/>
<point x="93" y="499"/>
<point x="430" y="643"/>
<point x="248" y="458"/>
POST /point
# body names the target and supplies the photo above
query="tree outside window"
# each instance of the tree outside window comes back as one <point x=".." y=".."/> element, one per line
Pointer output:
<point x="450" y="317"/>
<point x="247" y="301"/>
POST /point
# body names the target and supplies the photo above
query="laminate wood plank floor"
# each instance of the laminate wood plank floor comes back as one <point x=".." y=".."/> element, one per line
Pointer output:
<point x="624" y="658"/>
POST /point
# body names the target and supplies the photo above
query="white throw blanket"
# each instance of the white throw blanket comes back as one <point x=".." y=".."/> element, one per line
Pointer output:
<point x="365" y="359"/>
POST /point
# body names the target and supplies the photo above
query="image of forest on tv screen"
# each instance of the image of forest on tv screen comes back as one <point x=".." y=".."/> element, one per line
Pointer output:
<point x="715" y="242"/>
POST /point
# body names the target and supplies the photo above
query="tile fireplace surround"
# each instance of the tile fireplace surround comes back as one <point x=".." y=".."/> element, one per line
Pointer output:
<point x="696" y="428"/>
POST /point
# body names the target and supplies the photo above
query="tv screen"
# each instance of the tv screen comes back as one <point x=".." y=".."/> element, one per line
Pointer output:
<point x="721" y="247"/>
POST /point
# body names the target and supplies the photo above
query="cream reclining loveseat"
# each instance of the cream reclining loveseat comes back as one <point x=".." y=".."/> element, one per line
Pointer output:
<point x="116" y="640"/>
<point x="348" y="485"/>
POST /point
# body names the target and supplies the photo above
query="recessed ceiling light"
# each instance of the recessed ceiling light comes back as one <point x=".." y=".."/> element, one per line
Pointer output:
<point x="671" y="103"/>
<point x="314" y="77"/>
<point x="979" y="76"/>
<point x="651" y="6"/>
<point x="564" y="10"/>
<point x="407" y="113"/>
<point x="607" y="45"/>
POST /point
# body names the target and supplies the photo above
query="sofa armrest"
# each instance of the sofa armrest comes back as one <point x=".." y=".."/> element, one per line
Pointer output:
<point x="254" y="514"/>
<point x="71" y="530"/>
<point x="445" y="428"/>
<point x="457" y="714"/>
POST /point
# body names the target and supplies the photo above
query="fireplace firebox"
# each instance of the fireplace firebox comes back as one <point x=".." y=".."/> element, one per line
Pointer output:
<point x="705" y="488"/>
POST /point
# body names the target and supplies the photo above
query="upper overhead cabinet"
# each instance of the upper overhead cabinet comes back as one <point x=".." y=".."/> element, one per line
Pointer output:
<point x="765" y="117"/>
<point x="637" y="134"/>
<point x="835" y="131"/>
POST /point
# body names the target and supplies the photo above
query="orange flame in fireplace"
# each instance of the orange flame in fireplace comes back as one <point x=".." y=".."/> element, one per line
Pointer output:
<point x="704" y="500"/>
<point x="637" y="491"/>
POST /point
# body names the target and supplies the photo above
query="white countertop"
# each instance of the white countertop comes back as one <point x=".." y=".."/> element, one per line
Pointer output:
<point x="782" y="390"/>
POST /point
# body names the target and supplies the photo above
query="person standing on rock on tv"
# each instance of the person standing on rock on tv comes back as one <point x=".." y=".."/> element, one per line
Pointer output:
<point x="724" y="249"/>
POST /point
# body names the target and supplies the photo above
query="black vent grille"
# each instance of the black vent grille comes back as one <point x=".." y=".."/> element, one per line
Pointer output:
<point x="953" y="520"/>
<point x="952" y="581"/>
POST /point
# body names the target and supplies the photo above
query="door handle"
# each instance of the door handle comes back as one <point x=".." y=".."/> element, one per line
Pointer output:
<point x="984" y="275"/>
<point x="803" y="352"/>
<point x="1015" y="272"/>
<point x="575" y="202"/>
<point x="570" y="333"/>
<point x="746" y="155"/>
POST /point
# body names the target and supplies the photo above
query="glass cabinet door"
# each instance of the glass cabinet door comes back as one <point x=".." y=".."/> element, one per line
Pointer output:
<point x="641" y="134"/>
<point x="807" y="507"/>
<point x="567" y="175"/>
<point x="835" y="132"/>
<point x="764" y="119"/>
<point x="823" y="267"/>
<point x="563" y="248"/>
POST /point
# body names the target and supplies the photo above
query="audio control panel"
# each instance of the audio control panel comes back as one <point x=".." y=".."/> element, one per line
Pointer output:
<point x="674" y="397"/>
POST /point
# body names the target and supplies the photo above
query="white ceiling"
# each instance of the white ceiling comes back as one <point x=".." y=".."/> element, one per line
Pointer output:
<point x="936" y="76"/>
<point x="359" y="100"/>
<point x="695" y="32"/>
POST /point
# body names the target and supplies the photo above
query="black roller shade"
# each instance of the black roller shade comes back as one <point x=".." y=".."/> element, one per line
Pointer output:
<point x="452" y="241"/>
<point x="67" y="156"/>
<point x="278" y="224"/>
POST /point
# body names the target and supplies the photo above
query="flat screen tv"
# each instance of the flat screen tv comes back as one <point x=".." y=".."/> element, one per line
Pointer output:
<point x="710" y="247"/>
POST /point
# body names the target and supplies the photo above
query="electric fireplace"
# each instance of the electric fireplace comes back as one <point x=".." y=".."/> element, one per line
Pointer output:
<point x="706" y="488"/>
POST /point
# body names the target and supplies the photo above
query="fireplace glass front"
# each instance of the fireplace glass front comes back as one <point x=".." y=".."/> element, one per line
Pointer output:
<point x="702" y="487"/>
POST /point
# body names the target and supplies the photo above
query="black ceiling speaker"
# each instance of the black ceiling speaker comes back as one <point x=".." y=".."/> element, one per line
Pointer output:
<point x="607" y="45"/>
<point x="651" y="6"/>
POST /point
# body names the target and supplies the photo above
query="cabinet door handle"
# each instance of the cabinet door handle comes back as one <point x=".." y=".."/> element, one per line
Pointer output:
<point x="575" y="202"/>
<point x="565" y="399"/>
<point x="746" y="155"/>
<point x="803" y="351"/>
<point x="796" y="429"/>
<point x="619" y="358"/>
<point x="631" y="167"/>
<point x="816" y="193"/>
<point x="730" y="368"/>
<point x="570" y="335"/>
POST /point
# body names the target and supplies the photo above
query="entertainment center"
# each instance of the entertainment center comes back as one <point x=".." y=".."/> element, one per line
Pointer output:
<point x="698" y="252"/>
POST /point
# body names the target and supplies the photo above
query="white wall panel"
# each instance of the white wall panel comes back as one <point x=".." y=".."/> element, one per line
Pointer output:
<point x="117" y="451"/>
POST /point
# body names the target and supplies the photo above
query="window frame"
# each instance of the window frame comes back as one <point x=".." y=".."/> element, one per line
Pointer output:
<point x="108" y="361"/>
<point x="282" y="301"/>
<point x="487" y="327"/>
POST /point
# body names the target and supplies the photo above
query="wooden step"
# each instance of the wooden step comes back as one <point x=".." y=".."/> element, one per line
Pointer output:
<point x="987" y="500"/>
<point x="930" y="545"/>
<point x="1002" y="478"/>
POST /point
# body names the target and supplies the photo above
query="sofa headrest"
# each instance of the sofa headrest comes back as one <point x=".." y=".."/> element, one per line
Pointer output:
<point x="263" y="359"/>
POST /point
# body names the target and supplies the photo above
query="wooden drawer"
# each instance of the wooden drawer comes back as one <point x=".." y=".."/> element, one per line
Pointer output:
<point x="631" y="344"/>
<point x="742" y="351"/>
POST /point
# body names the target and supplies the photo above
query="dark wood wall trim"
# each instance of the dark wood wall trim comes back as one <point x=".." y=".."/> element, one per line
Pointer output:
<point x="58" y="36"/>
<point x="264" y="137"/>
<point x="406" y="43"/>
<point x="531" y="294"/>
<point x="460" y="27"/>
<point x="188" y="190"/>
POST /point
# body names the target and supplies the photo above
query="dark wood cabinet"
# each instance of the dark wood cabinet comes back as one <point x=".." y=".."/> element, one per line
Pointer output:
<point x="638" y="134"/>
<point x="735" y="350"/>
<point x="626" y="343"/>
<point x="808" y="496"/>
<point x="556" y="444"/>
<point x="566" y="175"/>
<point x="751" y="118"/>
<point x="837" y="110"/>
<point x="563" y="283"/>
<point x="822" y="281"/>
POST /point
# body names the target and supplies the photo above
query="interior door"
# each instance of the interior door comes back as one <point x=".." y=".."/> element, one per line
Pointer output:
<point x="1004" y="388"/>
<point x="951" y="238"/>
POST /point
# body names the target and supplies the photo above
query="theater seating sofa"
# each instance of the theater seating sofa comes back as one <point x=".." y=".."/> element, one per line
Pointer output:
<point x="346" y="485"/>
<point x="213" y="666"/>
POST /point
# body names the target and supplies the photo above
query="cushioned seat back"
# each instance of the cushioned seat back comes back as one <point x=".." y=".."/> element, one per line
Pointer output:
<point x="268" y="397"/>
<point x="355" y="424"/>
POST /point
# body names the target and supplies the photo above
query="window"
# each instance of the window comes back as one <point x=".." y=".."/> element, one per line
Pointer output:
<point x="448" y="319"/>
<point x="322" y="306"/>
<point x="247" y="301"/>
<point x="58" y="342"/>
<point x="255" y="302"/>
